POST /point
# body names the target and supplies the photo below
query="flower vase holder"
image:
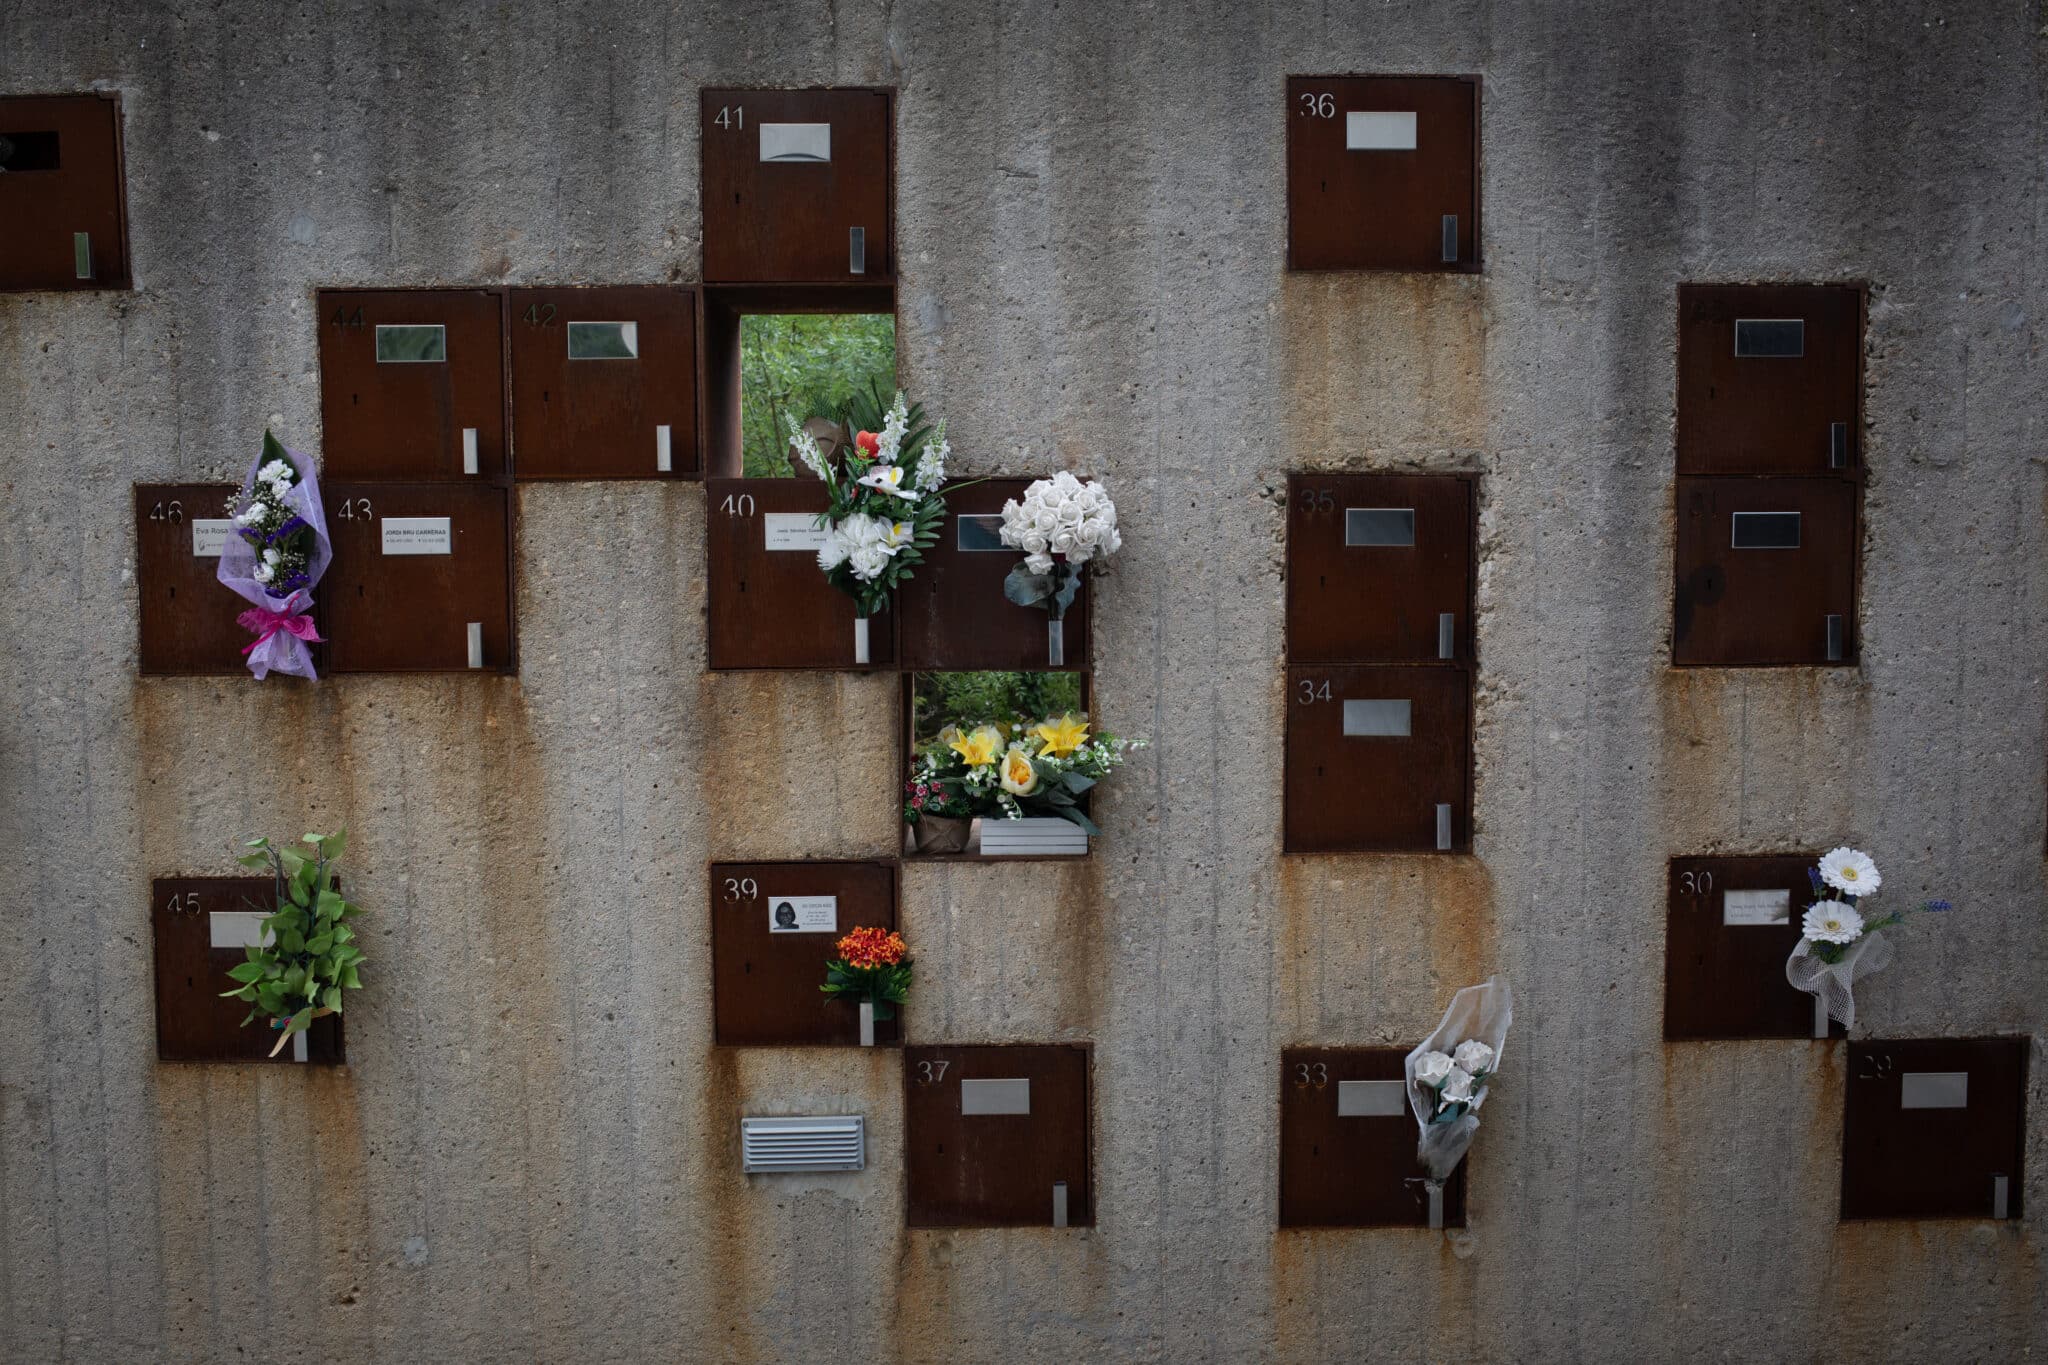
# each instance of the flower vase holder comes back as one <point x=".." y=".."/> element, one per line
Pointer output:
<point x="1436" y="1204"/>
<point x="860" y="639"/>
<point x="1056" y="643"/>
<point x="867" y="1023"/>
<point x="1820" y="1017"/>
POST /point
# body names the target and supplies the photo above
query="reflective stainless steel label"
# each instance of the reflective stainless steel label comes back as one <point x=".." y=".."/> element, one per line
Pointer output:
<point x="1379" y="526"/>
<point x="1765" y="531"/>
<point x="411" y="343"/>
<point x="1376" y="717"/>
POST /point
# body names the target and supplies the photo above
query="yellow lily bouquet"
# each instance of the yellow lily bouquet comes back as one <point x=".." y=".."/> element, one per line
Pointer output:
<point x="1011" y="771"/>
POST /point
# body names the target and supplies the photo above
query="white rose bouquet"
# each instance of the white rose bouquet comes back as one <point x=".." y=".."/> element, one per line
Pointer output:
<point x="1063" y="525"/>
<point x="884" y="507"/>
<point x="1841" y="943"/>
<point x="1449" y="1077"/>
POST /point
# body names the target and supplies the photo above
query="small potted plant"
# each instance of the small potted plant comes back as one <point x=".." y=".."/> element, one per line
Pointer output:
<point x="883" y="508"/>
<point x="307" y="956"/>
<point x="873" y="968"/>
<point x="1841" y="943"/>
<point x="938" y="813"/>
<point x="1063" y="525"/>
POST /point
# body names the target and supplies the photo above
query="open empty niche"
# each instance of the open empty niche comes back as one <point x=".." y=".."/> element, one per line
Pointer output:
<point x="940" y="708"/>
<point x="799" y="366"/>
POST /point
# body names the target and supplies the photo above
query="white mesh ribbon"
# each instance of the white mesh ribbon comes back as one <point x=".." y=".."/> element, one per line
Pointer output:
<point x="1830" y="982"/>
<point x="1481" y="1012"/>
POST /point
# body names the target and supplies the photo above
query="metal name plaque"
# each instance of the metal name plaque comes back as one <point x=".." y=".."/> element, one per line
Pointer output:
<point x="210" y="537"/>
<point x="1764" y="531"/>
<point x="1379" y="526"/>
<point x="1934" y="1090"/>
<point x="1371" y="1099"/>
<point x="796" y="142"/>
<point x="1756" y="907"/>
<point x="1770" y="338"/>
<point x="803" y="914"/>
<point x="978" y="532"/>
<point x="793" y="531"/>
<point x="1374" y="130"/>
<point x="996" y="1097"/>
<point x="417" y="536"/>
<point x="1372" y="718"/>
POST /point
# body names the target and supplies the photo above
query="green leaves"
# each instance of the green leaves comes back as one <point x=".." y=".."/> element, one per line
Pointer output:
<point x="307" y="960"/>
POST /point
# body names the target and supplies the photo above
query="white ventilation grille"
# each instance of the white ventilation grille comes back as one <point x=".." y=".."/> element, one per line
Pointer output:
<point x="784" y="1146"/>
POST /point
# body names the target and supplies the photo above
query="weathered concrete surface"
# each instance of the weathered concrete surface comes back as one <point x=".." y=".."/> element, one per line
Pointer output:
<point x="532" y="1156"/>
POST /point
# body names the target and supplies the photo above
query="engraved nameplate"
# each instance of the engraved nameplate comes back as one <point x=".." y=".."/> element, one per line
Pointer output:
<point x="1770" y="338"/>
<point x="1756" y="907"/>
<point x="979" y="532"/>
<point x="210" y="537"/>
<point x="996" y="1097"/>
<point x="793" y="531"/>
<point x="1934" y="1090"/>
<point x="1379" y="526"/>
<point x="1378" y="131"/>
<point x="796" y="142"/>
<point x="803" y="914"/>
<point x="417" y="536"/>
<point x="1371" y="1099"/>
<point x="1765" y="531"/>
<point x="1376" y="718"/>
<point x="236" y="928"/>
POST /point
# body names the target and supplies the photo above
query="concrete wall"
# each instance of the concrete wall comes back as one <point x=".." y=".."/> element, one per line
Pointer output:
<point x="531" y="1155"/>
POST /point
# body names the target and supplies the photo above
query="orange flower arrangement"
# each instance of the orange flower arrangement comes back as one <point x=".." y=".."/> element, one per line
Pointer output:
<point x="873" y="965"/>
<point x="872" y="948"/>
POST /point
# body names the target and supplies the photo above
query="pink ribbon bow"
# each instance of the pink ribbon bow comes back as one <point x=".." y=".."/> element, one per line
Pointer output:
<point x="269" y="623"/>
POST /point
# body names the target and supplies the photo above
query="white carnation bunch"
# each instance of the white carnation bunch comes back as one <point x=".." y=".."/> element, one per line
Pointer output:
<point x="1064" y="516"/>
<point x="864" y="544"/>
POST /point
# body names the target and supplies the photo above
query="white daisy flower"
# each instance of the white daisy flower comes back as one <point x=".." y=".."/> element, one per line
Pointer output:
<point x="1832" y="922"/>
<point x="1848" y="870"/>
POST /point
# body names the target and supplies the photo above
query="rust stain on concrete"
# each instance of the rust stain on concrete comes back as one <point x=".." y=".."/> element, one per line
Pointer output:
<point x="800" y="765"/>
<point x="1382" y="362"/>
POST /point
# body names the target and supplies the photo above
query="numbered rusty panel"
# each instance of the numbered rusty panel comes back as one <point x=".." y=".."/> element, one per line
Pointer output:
<point x="1383" y="173"/>
<point x="1935" y="1128"/>
<point x="1379" y="568"/>
<point x="186" y="618"/>
<point x="412" y="384"/>
<point x="1378" y="760"/>
<point x="604" y="382"/>
<point x="1766" y="572"/>
<point x="953" y="615"/>
<point x="63" y="200"/>
<point x="998" y="1136"/>
<point x="774" y="926"/>
<point x="421" y="579"/>
<point x="770" y="605"/>
<point x="1730" y="923"/>
<point x="1347" y="1143"/>
<point x="200" y="925"/>
<point x="799" y="185"/>
<point x="1770" y="379"/>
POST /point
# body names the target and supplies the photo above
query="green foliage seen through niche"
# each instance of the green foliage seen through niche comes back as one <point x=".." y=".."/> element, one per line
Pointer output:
<point x="805" y="365"/>
<point x="971" y="699"/>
